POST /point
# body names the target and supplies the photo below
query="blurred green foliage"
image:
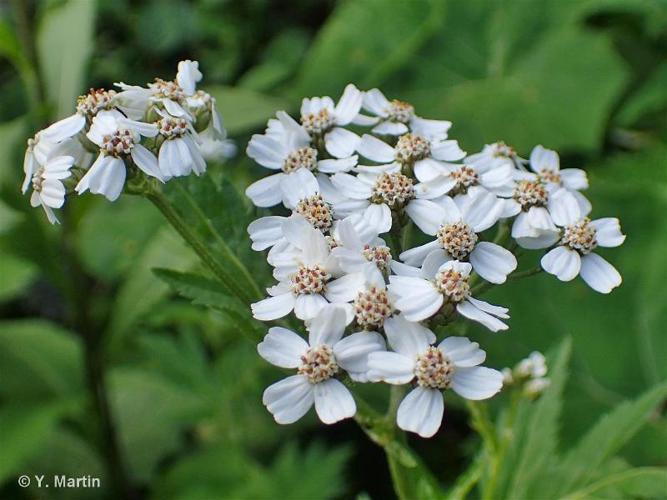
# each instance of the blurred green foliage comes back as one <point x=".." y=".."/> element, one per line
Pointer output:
<point x="586" y="77"/>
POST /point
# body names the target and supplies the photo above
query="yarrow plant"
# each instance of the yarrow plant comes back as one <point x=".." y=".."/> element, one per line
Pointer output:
<point x="385" y="234"/>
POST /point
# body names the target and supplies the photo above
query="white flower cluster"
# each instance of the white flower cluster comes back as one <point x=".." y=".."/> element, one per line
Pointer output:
<point x="337" y="275"/>
<point x="529" y="374"/>
<point x="166" y="129"/>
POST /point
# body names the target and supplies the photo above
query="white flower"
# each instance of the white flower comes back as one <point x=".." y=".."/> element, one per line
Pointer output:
<point x="496" y="155"/>
<point x="422" y="293"/>
<point x="398" y="117"/>
<point x="323" y="119"/>
<point x="539" y="210"/>
<point x="534" y="366"/>
<point x="48" y="188"/>
<point x="546" y="164"/>
<point x="179" y="154"/>
<point x="455" y="226"/>
<point x="317" y="362"/>
<point x="459" y="179"/>
<point x="574" y="254"/>
<point x="286" y="147"/>
<point x="357" y="245"/>
<point x="411" y="150"/>
<point x="171" y="95"/>
<point x="188" y="75"/>
<point x="452" y="364"/>
<point x="377" y="191"/>
<point x="118" y="137"/>
<point x="86" y="108"/>
<point x="307" y="276"/>
<point x="40" y="150"/>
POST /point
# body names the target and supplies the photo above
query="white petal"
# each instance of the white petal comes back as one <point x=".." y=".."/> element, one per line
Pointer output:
<point x="351" y="186"/>
<point x="67" y="127"/>
<point x="348" y="105"/>
<point x="428" y="216"/>
<point x="433" y="262"/>
<point x="308" y="306"/>
<point x="544" y="159"/>
<point x="265" y="232"/>
<point x="289" y="399"/>
<point x="462" y="352"/>
<point x="574" y="178"/>
<point x="273" y="307"/>
<point x="428" y="169"/>
<point x="415" y="256"/>
<point x="352" y="352"/>
<point x="432" y="129"/>
<point x="282" y="347"/>
<point x="333" y="402"/>
<point x="498" y="311"/>
<point x="345" y="288"/>
<point x="563" y="207"/>
<point x="188" y="75"/>
<point x="266" y="151"/>
<point x="407" y="338"/>
<point x="332" y="166"/>
<point x="481" y="209"/>
<point x="106" y="176"/>
<point x="375" y="102"/>
<point x="297" y="186"/>
<point x="434" y="188"/>
<point x="374" y="149"/>
<point x="599" y="274"/>
<point x="266" y="192"/>
<point x="390" y="367"/>
<point x="447" y="151"/>
<point x="417" y="298"/>
<point x="468" y="310"/>
<point x="477" y="382"/>
<point x="608" y="232"/>
<point x="378" y="216"/>
<point x="562" y="262"/>
<point x="585" y="206"/>
<point x="146" y="161"/>
<point x="421" y="412"/>
<point x="52" y="193"/>
<point x="390" y="128"/>
<point x="341" y="143"/>
<point x="328" y="327"/>
<point x="492" y="262"/>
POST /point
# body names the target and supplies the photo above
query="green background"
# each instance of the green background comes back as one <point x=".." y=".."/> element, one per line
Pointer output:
<point x="588" y="78"/>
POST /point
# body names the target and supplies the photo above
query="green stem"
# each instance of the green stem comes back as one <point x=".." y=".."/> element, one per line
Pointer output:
<point x="228" y="254"/>
<point x="400" y="479"/>
<point x="482" y="424"/>
<point x="184" y="229"/>
<point x="505" y="437"/>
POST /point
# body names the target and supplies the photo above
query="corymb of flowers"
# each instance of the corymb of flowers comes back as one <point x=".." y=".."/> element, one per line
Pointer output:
<point x="386" y="232"/>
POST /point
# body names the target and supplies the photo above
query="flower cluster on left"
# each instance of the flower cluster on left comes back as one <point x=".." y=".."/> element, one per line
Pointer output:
<point x="123" y="139"/>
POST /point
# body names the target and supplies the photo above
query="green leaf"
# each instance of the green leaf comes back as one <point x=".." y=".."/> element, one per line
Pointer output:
<point x="607" y="437"/>
<point x="23" y="429"/>
<point x="39" y="360"/>
<point x="648" y="482"/>
<point x="15" y="275"/>
<point x="143" y="290"/>
<point x="245" y="109"/>
<point x="64" y="44"/>
<point x="201" y="290"/>
<point x="151" y="413"/>
<point x="537" y="436"/>
<point x="347" y="50"/>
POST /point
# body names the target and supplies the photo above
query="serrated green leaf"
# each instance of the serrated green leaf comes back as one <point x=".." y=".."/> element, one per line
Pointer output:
<point x="538" y="436"/>
<point x="647" y="482"/>
<point x="607" y="437"/>
<point x="64" y="44"/>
